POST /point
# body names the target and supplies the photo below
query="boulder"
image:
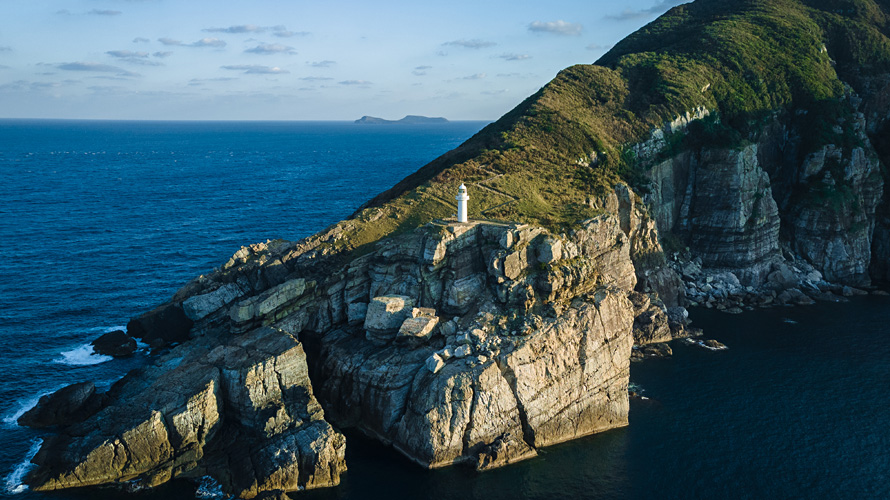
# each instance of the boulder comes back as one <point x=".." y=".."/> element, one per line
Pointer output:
<point x="418" y="328"/>
<point x="783" y="277"/>
<point x="849" y="291"/>
<point x="435" y="363"/>
<point x="463" y="351"/>
<point x="116" y="343"/>
<point x="651" y="351"/>
<point x="793" y="296"/>
<point x="66" y="406"/>
<point x="388" y="312"/>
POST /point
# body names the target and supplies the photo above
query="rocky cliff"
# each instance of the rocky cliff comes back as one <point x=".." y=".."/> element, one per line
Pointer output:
<point x="479" y="342"/>
<point x="728" y="155"/>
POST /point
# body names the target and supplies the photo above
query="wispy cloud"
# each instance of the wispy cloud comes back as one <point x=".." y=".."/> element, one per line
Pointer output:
<point x="477" y="76"/>
<point x="2" y="66"/>
<point x="242" y="28"/>
<point x="355" y="82"/>
<point x="100" y="12"/>
<point x="209" y="42"/>
<point x="421" y="70"/>
<point x="204" y="42"/>
<point x="556" y="27"/>
<point x="279" y="31"/>
<point x="194" y="82"/>
<point x="95" y="67"/>
<point x="322" y="64"/>
<point x="255" y="69"/>
<point x="5" y="48"/>
<point x="659" y="8"/>
<point x="33" y="86"/>
<point x="140" y="39"/>
<point x="290" y="34"/>
<point x="94" y="12"/>
<point x="163" y="54"/>
<point x="495" y="92"/>
<point x="133" y="57"/>
<point x="315" y="78"/>
<point x="475" y="43"/>
<point x="271" y="48"/>
<point x="515" y="57"/>
<point x="596" y="46"/>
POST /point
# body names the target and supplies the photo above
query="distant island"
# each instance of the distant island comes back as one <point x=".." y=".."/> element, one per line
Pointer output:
<point x="408" y="120"/>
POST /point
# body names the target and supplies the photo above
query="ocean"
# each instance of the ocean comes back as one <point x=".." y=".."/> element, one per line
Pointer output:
<point x="101" y="221"/>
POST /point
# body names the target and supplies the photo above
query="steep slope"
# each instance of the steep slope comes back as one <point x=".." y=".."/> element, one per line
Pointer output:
<point x="747" y="137"/>
<point x="784" y="77"/>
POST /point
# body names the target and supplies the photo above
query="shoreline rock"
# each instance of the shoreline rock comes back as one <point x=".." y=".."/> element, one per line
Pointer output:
<point x="117" y="344"/>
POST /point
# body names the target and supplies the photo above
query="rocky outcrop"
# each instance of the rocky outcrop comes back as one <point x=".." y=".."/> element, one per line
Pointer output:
<point x="73" y="403"/>
<point x="470" y="343"/>
<point x="522" y="303"/>
<point x="116" y="343"/>
<point x="735" y="208"/>
<point x="242" y="411"/>
<point x="720" y="202"/>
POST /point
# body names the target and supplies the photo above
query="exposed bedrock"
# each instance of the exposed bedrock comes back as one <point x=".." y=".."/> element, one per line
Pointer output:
<point x="455" y="343"/>
<point x="204" y="408"/>
<point x="748" y="209"/>
<point x="531" y="345"/>
<point x="720" y="201"/>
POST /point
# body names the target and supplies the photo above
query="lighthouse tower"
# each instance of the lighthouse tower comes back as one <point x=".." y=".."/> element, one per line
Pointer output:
<point x="462" y="199"/>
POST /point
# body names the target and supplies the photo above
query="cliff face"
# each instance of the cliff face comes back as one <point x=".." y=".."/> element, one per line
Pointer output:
<point x="479" y="342"/>
<point x="747" y="138"/>
<point x="532" y="348"/>
<point x="737" y="207"/>
<point x="226" y="409"/>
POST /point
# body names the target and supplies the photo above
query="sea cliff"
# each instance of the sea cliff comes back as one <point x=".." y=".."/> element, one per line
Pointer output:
<point x="729" y="155"/>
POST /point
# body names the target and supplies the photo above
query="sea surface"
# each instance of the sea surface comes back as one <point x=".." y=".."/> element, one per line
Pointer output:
<point x="100" y="221"/>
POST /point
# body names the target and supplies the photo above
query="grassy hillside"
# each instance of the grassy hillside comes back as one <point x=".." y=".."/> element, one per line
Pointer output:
<point x="567" y="144"/>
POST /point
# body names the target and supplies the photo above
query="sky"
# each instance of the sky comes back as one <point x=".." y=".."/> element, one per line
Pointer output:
<point x="296" y="59"/>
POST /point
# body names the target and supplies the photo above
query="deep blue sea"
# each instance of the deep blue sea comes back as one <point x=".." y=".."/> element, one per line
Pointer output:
<point x="100" y="221"/>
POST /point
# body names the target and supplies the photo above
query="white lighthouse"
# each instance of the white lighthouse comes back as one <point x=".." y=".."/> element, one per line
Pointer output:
<point x="462" y="199"/>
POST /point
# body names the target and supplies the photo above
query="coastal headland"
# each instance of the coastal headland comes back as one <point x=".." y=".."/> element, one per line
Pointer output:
<point x="729" y="155"/>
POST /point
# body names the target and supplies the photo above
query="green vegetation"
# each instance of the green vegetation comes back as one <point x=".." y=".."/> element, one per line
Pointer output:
<point x="550" y="159"/>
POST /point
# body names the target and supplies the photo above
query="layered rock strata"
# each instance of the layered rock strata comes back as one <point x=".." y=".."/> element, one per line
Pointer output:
<point x="735" y="207"/>
<point x="470" y="343"/>
<point x="241" y="410"/>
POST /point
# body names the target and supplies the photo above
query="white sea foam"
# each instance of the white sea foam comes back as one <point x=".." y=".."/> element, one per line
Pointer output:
<point x="82" y="356"/>
<point x="209" y="489"/>
<point x="789" y="321"/>
<point x="24" y="406"/>
<point x="14" y="483"/>
<point x="107" y="329"/>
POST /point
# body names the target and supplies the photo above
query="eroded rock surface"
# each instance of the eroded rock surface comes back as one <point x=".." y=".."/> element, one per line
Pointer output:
<point x="205" y="408"/>
<point x="473" y="343"/>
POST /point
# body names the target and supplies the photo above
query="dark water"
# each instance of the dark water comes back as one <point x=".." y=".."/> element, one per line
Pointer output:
<point x="101" y="221"/>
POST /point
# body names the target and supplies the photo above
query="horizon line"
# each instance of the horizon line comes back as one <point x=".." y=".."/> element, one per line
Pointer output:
<point x="258" y="120"/>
